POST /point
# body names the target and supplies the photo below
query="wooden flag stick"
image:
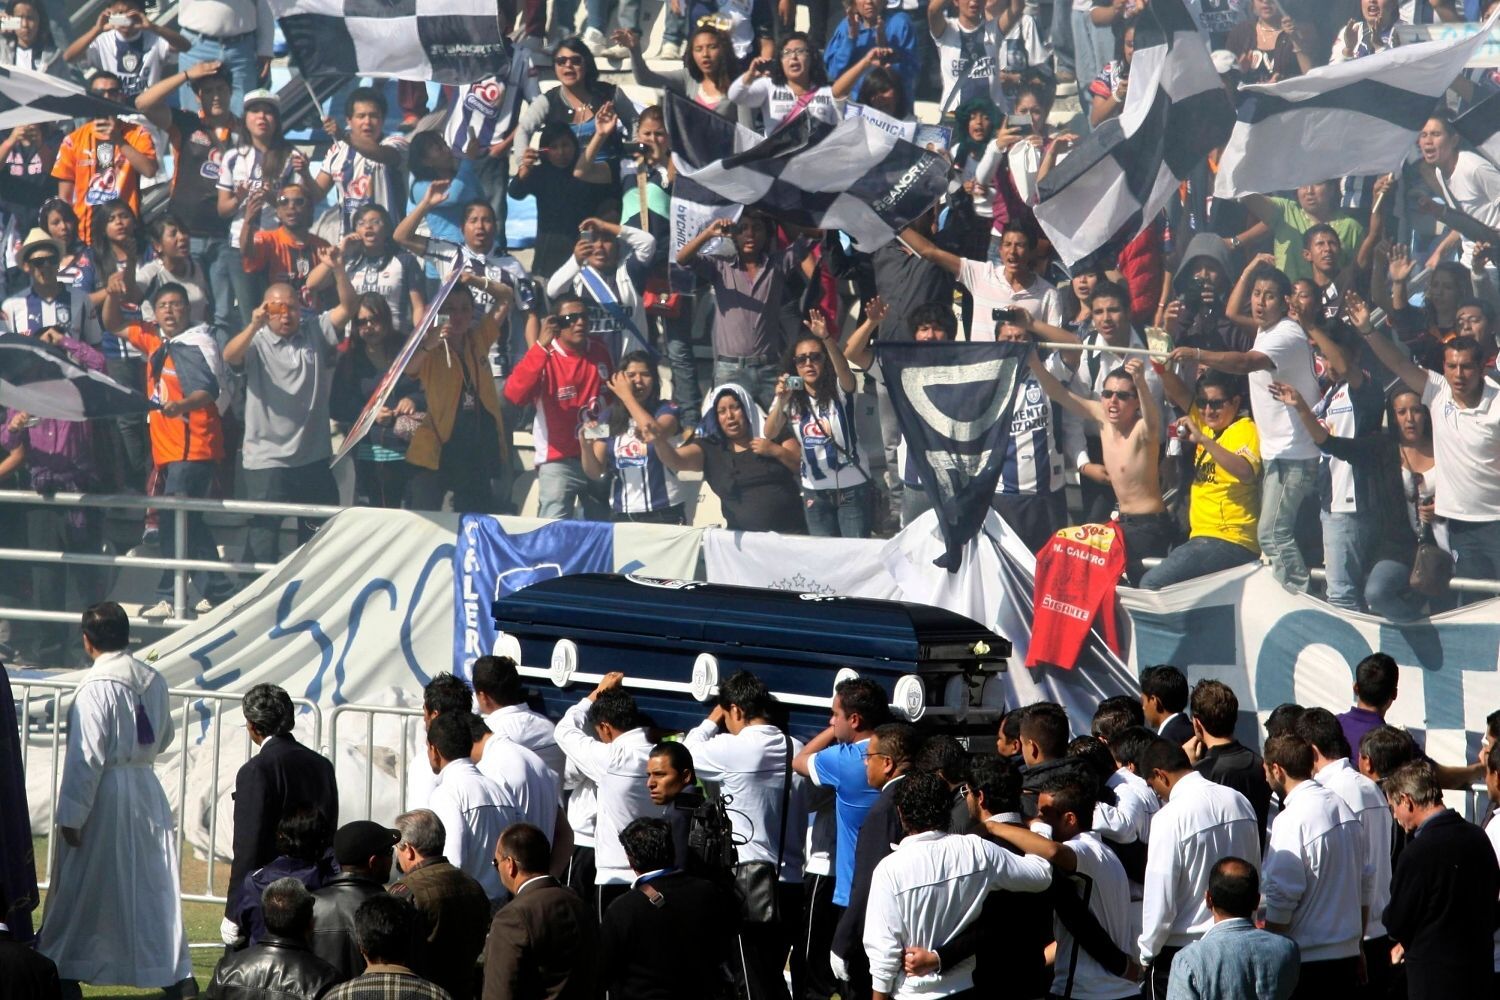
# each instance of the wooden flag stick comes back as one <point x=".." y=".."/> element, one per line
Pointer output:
<point x="1140" y="351"/>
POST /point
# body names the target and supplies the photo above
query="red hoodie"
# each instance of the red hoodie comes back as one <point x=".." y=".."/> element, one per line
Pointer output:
<point x="561" y="385"/>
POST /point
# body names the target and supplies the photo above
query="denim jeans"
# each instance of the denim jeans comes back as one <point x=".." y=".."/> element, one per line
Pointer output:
<point x="1476" y="552"/>
<point x="1346" y="539"/>
<point x="310" y="484"/>
<point x="1389" y="595"/>
<point x="757" y="377"/>
<point x="564" y="491"/>
<point x="839" y="513"/>
<point x="190" y="479"/>
<point x="1285" y="485"/>
<point x="679" y="337"/>
<point x="1194" y="558"/>
<point x="675" y="27"/>
<point x="565" y="14"/>
<point x="630" y="14"/>
<point x="214" y="254"/>
<point x="1093" y="46"/>
<point x="1061" y="31"/>
<point x="239" y="61"/>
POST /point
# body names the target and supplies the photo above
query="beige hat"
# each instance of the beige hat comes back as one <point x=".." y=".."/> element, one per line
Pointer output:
<point x="37" y="239"/>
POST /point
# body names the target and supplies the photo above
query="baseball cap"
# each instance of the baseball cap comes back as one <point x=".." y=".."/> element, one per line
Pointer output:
<point x="357" y="842"/>
<point x="263" y="96"/>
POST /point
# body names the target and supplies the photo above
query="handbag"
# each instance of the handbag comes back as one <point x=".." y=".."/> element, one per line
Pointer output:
<point x="405" y="425"/>
<point x="1431" y="567"/>
<point x="755" y="881"/>
<point x="659" y="299"/>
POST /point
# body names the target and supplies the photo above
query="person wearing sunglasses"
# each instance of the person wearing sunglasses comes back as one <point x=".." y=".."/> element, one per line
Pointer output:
<point x="1130" y="436"/>
<point x="563" y="375"/>
<point x="1224" y="500"/>
<point x="575" y="103"/>
<point x="46" y="303"/>
<point x="289" y="253"/>
<point x="104" y="159"/>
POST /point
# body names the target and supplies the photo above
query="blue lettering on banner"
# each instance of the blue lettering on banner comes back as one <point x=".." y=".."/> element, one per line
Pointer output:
<point x="356" y="614"/>
<point x="489" y="563"/>
<point x="441" y="556"/>
<point x="312" y="627"/>
<point x="1198" y="636"/>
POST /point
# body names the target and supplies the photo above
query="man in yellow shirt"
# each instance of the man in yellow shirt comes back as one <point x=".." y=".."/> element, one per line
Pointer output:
<point x="1225" y="496"/>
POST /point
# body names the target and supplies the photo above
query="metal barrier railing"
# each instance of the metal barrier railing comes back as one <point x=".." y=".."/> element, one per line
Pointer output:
<point x="403" y="755"/>
<point x="180" y="566"/>
<point x="1463" y="585"/>
<point x="191" y="707"/>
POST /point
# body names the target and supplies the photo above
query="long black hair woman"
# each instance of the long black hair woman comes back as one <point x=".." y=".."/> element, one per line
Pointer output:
<point x="380" y="468"/>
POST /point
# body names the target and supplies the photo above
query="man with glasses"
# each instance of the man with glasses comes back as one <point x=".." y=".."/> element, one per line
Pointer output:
<point x="453" y="909"/>
<point x="289" y="253"/>
<point x="185" y="373"/>
<point x="288" y="356"/>
<point x="47" y="305"/>
<point x="562" y="375"/>
<point x="103" y="160"/>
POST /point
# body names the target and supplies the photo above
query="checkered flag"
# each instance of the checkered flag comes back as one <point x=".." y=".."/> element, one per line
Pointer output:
<point x="31" y="98"/>
<point x="44" y="381"/>
<point x="446" y="41"/>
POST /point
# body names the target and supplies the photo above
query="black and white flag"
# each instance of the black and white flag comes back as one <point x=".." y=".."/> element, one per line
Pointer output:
<point x="1119" y="177"/>
<point x="446" y="41"/>
<point x="1352" y="118"/>
<point x="851" y="176"/>
<point x="1480" y="125"/>
<point x="43" y="381"/>
<point x="953" y="402"/>
<point x="30" y="98"/>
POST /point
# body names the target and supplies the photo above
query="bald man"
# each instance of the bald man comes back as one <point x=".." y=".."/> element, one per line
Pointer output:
<point x="288" y="354"/>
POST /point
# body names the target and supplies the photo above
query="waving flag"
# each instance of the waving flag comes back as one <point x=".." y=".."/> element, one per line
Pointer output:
<point x="953" y="402"/>
<point x="1358" y="117"/>
<point x="1122" y="174"/>
<point x="43" y="381"/>
<point x="30" y="98"/>
<point x="852" y="176"/>
<point x="446" y="41"/>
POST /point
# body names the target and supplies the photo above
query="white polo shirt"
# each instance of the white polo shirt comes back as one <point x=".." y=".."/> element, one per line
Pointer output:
<point x="1368" y="803"/>
<point x="525" y="779"/>
<point x="1281" y="432"/>
<point x="1466" y="445"/>
<point x="533" y="730"/>
<point x="1109" y="902"/>
<point x="751" y="767"/>
<point x="474" y="811"/>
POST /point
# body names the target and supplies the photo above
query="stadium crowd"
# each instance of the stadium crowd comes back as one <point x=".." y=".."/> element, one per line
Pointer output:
<point x="1329" y="398"/>
<point x="1146" y="851"/>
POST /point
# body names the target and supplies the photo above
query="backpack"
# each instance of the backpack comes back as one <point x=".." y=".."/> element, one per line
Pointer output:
<point x="711" y="841"/>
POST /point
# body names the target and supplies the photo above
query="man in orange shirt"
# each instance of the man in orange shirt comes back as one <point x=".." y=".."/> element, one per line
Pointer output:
<point x="184" y="373"/>
<point x="289" y="253"/>
<point x="103" y="160"/>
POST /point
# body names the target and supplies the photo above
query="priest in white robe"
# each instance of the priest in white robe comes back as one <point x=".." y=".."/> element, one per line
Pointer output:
<point x="113" y="915"/>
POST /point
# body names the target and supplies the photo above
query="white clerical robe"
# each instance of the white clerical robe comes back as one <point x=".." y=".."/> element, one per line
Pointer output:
<point x="113" y="915"/>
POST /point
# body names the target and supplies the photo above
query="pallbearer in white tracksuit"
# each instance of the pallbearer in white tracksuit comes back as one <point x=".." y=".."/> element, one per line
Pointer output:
<point x="113" y="915"/>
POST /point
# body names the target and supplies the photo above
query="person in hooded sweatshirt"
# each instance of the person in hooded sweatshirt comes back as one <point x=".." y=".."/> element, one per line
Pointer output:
<point x="1200" y="290"/>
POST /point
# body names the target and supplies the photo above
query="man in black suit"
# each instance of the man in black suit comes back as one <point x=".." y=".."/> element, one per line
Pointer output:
<point x="1443" y="892"/>
<point x="1164" y="697"/>
<point x="669" y="938"/>
<point x="25" y="973"/>
<point x="887" y="759"/>
<point x="283" y="775"/>
<point x="544" y="943"/>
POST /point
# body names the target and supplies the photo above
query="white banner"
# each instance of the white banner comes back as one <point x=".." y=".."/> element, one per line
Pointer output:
<point x="1487" y="55"/>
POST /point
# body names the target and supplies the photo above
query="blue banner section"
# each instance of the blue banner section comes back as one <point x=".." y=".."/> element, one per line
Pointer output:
<point x="489" y="562"/>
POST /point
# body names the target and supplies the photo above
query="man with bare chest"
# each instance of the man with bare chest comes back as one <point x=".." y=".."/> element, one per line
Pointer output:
<point x="1130" y="434"/>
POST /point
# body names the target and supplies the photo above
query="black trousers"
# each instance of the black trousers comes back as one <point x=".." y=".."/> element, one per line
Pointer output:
<point x="812" y="979"/>
<point x="1326" y="980"/>
<point x="763" y="949"/>
<point x="581" y="872"/>
<point x="1154" y="986"/>
<point x="1378" y="970"/>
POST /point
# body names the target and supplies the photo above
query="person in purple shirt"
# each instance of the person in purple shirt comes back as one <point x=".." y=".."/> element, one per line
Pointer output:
<point x="1376" y="678"/>
<point x="60" y="457"/>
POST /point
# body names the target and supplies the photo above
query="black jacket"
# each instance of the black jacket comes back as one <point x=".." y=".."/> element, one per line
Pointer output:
<point x="680" y="818"/>
<point x="276" y="969"/>
<point x="283" y="775"/>
<point x="1179" y="729"/>
<point x="1443" y="909"/>
<point x="1236" y="766"/>
<point x="700" y="920"/>
<point x="333" y="921"/>
<point x="25" y="973"/>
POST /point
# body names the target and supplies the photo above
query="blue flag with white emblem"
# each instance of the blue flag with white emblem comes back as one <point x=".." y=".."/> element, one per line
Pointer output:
<point x="490" y="562"/>
<point x="953" y="402"/>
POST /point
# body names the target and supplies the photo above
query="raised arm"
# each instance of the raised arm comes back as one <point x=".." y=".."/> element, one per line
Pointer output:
<point x="239" y="344"/>
<point x="1150" y="411"/>
<point x="718" y="227"/>
<point x="859" y="348"/>
<point x="406" y="230"/>
<point x="819" y="327"/>
<point x="1390" y="354"/>
<point x="1086" y="409"/>
<point x="588" y="168"/>
<point x="931" y="252"/>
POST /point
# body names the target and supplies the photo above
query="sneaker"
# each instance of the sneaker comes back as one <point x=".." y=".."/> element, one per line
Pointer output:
<point x="204" y="606"/>
<point x="669" y="52"/>
<point x="614" y="53"/>
<point x="595" y="40"/>
<point x="158" y="612"/>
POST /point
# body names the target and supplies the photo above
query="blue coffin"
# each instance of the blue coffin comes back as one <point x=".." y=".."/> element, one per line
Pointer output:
<point x="675" y="639"/>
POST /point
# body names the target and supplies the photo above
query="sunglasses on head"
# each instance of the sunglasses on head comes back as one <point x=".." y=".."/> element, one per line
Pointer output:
<point x="1116" y="394"/>
<point x="567" y="61"/>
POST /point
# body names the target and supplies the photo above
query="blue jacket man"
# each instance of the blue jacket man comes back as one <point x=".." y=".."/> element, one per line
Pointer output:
<point x="1235" y="958"/>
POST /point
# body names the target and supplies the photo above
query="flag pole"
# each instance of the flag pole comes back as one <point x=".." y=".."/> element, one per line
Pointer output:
<point x="317" y="104"/>
<point x="1107" y="348"/>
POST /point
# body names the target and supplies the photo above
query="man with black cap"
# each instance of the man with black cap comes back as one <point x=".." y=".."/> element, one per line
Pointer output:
<point x="363" y="850"/>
